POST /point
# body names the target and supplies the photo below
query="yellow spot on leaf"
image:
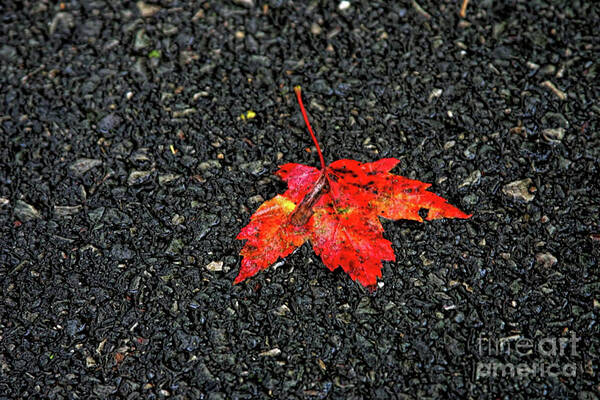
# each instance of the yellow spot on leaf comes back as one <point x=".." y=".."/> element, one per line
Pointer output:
<point x="287" y="205"/>
<point x="342" y="210"/>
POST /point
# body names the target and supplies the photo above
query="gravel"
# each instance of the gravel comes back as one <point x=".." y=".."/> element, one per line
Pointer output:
<point x="126" y="172"/>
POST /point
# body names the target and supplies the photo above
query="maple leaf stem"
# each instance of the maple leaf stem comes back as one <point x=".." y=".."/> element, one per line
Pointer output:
<point x="298" y="92"/>
<point x="304" y="211"/>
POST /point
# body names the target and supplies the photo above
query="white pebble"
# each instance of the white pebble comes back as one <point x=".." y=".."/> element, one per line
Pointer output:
<point x="215" y="266"/>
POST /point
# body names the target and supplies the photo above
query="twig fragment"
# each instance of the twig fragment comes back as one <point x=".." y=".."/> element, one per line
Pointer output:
<point x="559" y="93"/>
<point x="420" y="10"/>
<point x="463" y="8"/>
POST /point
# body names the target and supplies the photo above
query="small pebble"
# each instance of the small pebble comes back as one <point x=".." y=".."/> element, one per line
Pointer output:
<point x="344" y="5"/>
<point x="256" y="200"/>
<point x="450" y="144"/>
<point x="83" y="165"/>
<point x="315" y="29"/>
<point x="559" y="93"/>
<point x="215" y="266"/>
<point x="177" y="219"/>
<point x="435" y="93"/>
<point x="547" y="260"/>
<point x="282" y="310"/>
<point x="25" y="211"/>
<point x="90" y="362"/>
<point x="63" y="211"/>
<point x="108" y="123"/>
<point x="245" y="3"/>
<point x="138" y="177"/>
<point x="147" y="10"/>
<point x="271" y="353"/>
<point x="141" y="40"/>
<point x="519" y="190"/>
<point x="553" y="135"/>
<point x="472" y="179"/>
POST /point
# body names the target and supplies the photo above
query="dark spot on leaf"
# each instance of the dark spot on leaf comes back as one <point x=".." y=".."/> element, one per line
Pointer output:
<point x="423" y="212"/>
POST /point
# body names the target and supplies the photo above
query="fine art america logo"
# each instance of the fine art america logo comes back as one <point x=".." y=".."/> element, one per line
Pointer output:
<point x="539" y="357"/>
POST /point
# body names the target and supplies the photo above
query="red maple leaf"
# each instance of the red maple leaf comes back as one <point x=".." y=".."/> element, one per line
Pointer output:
<point x="336" y="208"/>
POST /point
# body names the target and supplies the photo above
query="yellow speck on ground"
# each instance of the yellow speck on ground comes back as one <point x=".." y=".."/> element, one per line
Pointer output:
<point x="248" y="115"/>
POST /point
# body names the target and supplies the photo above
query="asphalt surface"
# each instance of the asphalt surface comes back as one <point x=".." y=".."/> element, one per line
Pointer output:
<point x="126" y="171"/>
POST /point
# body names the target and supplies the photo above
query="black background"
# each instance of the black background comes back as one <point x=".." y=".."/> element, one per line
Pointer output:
<point x="111" y="295"/>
